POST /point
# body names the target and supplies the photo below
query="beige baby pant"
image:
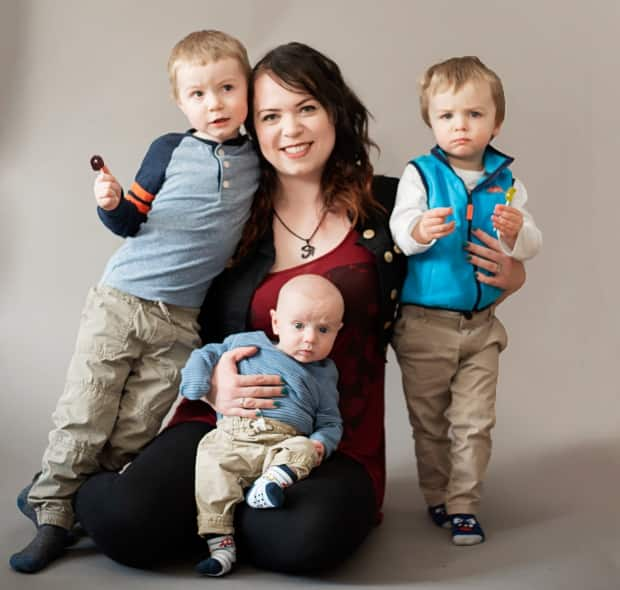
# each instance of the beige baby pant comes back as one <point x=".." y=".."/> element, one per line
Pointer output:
<point x="233" y="455"/>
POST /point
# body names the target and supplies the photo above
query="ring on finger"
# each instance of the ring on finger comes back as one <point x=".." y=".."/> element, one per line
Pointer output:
<point x="242" y="402"/>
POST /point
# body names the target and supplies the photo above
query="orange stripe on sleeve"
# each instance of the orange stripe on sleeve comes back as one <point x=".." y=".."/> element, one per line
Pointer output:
<point x="137" y="190"/>
<point x="142" y="207"/>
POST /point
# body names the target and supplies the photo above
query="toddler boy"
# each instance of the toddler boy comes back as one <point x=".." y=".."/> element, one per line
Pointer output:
<point x="448" y="339"/>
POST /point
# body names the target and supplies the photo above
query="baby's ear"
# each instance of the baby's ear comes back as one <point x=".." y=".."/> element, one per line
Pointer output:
<point x="274" y="321"/>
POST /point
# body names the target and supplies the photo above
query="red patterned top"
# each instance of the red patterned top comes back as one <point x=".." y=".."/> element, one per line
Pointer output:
<point x="357" y="352"/>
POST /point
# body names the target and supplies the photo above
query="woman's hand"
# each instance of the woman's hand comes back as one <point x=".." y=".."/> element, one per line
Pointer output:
<point x="508" y="273"/>
<point x="232" y="394"/>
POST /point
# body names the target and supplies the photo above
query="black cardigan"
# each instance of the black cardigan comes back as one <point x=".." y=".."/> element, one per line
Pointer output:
<point x="226" y="307"/>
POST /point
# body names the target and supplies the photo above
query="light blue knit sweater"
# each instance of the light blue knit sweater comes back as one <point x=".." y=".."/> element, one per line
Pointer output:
<point x="311" y="406"/>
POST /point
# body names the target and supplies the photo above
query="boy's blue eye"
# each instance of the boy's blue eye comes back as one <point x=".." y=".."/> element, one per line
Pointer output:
<point x="298" y="326"/>
<point x="446" y="116"/>
<point x="476" y="114"/>
<point x="323" y="330"/>
<point x="198" y="93"/>
<point x="228" y="87"/>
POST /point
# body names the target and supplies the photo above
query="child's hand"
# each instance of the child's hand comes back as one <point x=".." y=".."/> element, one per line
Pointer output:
<point x="508" y="221"/>
<point x="432" y="225"/>
<point x="107" y="190"/>
<point x="320" y="449"/>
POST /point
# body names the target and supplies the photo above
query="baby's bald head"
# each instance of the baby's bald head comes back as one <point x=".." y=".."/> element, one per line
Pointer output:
<point x="307" y="317"/>
<point x="317" y="290"/>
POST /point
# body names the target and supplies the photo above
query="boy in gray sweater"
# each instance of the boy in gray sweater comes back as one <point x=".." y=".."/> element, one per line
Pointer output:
<point x="182" y="219"/>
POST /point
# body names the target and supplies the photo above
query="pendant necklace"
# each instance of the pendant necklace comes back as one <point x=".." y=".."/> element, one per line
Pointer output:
<point x="307" y="249"/>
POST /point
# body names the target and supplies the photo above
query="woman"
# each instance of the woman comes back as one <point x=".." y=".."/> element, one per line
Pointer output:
<point x="318" y="210"/>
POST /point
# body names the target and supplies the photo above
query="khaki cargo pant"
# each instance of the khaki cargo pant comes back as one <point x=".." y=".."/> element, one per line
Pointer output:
<point x="449" y="368"/>
<point x="233" y="455"/>
<point x="122" y="380"/>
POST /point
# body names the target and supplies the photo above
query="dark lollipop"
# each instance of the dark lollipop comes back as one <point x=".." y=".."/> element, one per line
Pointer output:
<point x="96" y="163"/>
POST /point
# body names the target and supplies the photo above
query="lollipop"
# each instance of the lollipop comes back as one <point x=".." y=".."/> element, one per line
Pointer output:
<point x="96" y="163"/>
<point x="510" y="193"/>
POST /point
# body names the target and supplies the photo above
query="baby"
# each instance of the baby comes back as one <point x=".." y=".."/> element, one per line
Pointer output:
<point x="281" y="445"/>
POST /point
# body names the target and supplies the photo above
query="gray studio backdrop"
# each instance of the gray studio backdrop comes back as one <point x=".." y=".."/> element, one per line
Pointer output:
<point x="84" y="77"/>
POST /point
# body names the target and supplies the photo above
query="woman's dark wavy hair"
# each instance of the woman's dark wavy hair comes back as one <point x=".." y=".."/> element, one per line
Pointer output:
<point x="347" y="177"/>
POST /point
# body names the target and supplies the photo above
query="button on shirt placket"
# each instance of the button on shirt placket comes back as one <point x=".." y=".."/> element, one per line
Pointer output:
<point x="220" y="153"/>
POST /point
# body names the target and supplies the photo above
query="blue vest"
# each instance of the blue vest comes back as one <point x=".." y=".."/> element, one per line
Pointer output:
<point x="442" y="277"/>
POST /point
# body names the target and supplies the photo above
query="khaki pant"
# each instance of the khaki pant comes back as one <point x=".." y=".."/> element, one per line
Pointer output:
<point x="449" y="367"/>
<point x="232" y="456"/>
<point x="122" y="380"/>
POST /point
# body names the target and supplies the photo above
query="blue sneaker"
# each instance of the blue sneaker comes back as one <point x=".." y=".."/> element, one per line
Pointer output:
<point x="466" y="529"/>
<point x="439" y="516"/>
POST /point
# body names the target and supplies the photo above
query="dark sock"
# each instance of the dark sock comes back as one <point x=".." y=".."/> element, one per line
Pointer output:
<point x="22" y="501"/>
<point x="73" y="536"/>
<point x="48" y="545"/>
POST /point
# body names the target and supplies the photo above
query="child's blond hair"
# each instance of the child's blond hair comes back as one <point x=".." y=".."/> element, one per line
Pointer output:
<point x="203" y="47"/>
<point x="453" y="74"/>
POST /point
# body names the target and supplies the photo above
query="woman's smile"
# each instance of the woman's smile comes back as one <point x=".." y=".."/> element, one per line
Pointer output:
<point x="298" y="150"/>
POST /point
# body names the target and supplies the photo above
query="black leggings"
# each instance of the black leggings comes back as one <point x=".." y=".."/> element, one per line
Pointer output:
<point x="146" y="516"/>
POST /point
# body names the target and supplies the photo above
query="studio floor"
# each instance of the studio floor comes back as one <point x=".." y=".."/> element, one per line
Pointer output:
<point x="545" y="528"/>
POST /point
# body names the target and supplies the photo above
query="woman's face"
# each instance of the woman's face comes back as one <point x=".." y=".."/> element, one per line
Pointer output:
<point x="295" y="132"/>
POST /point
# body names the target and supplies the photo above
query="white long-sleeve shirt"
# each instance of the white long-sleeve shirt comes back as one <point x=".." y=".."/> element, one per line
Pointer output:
<point x="411" y="203"/>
